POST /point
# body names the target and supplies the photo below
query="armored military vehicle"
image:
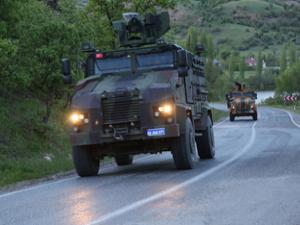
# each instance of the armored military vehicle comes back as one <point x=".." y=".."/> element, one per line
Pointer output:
<point x="241" y="102"/>
<point x="147" y="96"/>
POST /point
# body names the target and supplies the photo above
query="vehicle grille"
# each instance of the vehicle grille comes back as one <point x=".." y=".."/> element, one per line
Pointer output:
<point x="245" y="107"/>
<point x="120" y="109"/>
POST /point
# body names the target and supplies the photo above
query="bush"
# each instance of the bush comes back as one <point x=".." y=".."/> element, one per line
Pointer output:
<point x="277" y="100"/>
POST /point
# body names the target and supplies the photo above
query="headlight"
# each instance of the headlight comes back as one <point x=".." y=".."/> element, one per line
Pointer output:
<point x="78" y="118"/>
<point x="233" y="107"/>
<point x="166" y="109"/>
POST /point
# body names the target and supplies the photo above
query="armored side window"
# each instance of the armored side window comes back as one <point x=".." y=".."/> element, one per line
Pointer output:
<point x="110" y="65"/>
<point x="155" y="60"/>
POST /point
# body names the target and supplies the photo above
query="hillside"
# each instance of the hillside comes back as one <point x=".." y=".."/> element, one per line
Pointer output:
<point x="243" y="25"/>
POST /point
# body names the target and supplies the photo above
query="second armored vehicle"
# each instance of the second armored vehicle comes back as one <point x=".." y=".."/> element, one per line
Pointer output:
<point x="145" y="97"/>
<point x="241" y="103"/>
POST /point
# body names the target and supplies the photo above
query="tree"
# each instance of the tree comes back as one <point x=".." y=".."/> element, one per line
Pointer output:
<point x="283" y="62"/>
<point x="292" y="54"/>
<point x="259" y="65"/>
<point x="242" y="68"/>
<point x="232" y="65"/>
<point x="203" y="39"/>
<point x="143" y="6"/>
<point x="289" y="80"/>
<point x="210" y="47"/>
<point x="192" y="39"/>
<point x="109" y="10"/>
<point x="46" y="37"/>
<point x="7" y="52"/>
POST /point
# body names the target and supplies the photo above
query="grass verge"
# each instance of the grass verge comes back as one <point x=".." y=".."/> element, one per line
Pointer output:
<point x="219" y="114"/>
<point x="30" y="148"/>
<point x="295" y="109"/>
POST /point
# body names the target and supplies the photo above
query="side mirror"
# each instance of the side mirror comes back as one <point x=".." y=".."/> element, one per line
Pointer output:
<point x="66" y="71"/>
<point x="255" y="95"/>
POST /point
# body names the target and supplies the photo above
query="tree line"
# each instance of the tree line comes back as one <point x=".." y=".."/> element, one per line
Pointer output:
<point x="36" y="34"/>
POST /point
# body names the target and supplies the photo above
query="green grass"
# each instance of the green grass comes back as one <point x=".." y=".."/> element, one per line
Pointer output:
<point x="26" y="142"/>
<point x="218" y="115"/>
<point x="231" y="33"/>
<point x="250" y="6"/>
<point x="288" y="107"/>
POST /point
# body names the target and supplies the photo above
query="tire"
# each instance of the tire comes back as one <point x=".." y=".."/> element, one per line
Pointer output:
<point x="231" y="117"/>
<point x="184" y="148"/>
<point x="206" y="142"/>
<point x="85" y="162"/>
<point x="123" y="160"/>
<point x="254" y="117"/>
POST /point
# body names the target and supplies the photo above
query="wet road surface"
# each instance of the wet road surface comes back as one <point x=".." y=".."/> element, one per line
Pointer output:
<point x="254" y="179"/>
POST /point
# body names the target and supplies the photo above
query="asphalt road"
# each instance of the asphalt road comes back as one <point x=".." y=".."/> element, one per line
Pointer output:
<point x="254" y="179"/>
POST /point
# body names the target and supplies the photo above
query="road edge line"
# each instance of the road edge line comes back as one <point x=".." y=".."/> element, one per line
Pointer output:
<point x="220" y="123"/>
<point x="289" y="114"/>
<point x="291" y="118"/>
<point x="186" y="183"/>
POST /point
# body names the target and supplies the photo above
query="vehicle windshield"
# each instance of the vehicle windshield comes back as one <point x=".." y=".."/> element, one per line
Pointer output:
<point x="152" y="61"/>
<point x="249" y="94"/>
<point x="235" y="94"/>
<point x="242" y="94"/>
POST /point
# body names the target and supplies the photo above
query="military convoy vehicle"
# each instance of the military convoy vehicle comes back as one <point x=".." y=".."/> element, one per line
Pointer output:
<point x="147" y="96"/>
<point x="241" y="102"/>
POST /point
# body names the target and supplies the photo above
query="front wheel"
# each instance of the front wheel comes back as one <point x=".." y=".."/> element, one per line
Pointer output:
<point x="255" y="117"/>
<point x="206" y="142"/>
<point x="85" y="161"/>
<point x="231" y="117"/>
<point x="184" y="148"/>
<point x="123" y="160"/>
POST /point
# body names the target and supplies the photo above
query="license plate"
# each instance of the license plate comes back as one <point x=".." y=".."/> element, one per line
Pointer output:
<point x="156" y="132"/>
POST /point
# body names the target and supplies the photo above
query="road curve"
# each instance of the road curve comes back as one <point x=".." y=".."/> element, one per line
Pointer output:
<point x="255" y="179"/>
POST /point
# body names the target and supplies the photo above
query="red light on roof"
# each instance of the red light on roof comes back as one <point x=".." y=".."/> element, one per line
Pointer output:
<point x="99" y="55"/>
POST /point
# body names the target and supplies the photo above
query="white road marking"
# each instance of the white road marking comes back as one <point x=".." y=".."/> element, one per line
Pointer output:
<point x="175" y="188"/>
<point x="292" y="119"/>
<point x="220" y="123"/>
<point x="37" y="187"/>
<point x="290" y="116"/>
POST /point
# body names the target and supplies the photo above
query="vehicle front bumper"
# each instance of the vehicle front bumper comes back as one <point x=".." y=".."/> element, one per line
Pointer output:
<point x="246" y="113"/>
<point x="98" y="137"/>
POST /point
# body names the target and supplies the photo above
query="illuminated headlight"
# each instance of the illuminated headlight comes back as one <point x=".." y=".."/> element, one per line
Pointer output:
<point x="78" y="118"/>
<point x="252" y="106"/>
<point x="233" y="107"/>
<point x="163" y="110"/>
<point x="166" y="109"/>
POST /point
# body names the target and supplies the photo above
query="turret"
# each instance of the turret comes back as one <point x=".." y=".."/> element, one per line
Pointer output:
<point x="135" y="30"/>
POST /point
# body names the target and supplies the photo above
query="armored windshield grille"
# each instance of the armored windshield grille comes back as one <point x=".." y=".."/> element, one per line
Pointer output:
<point x="120" y="109"/>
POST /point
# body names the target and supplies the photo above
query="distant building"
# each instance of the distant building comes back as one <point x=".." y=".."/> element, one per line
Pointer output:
<point x="251" y="62"/>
